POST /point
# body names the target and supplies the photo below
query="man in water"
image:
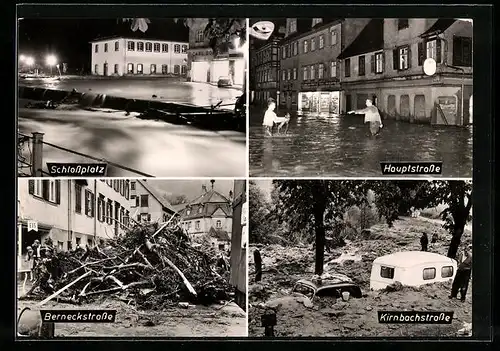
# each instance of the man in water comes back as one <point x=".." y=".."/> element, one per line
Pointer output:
<point x="372" y="116"/>
<point x="269" y="117"/>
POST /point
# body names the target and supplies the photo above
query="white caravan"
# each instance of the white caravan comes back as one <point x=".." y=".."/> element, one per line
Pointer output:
<point x="411" y="268"/>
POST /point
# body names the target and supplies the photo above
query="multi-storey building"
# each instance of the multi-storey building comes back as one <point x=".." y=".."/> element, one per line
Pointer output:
<point x="203" y="66"/>
<point x="130" y="55"/>
<point x="71" y="212"/>
<point x="265" y="71"/>
<point x="385" y="62"/>
<point x="147" y="204"/>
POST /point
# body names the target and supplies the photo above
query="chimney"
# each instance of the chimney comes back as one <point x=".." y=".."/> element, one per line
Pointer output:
<point x="212" y="181"/>
<point x="231" y="195"/>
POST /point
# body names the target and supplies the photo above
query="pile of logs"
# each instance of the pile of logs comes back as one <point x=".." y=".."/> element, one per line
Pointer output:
<point x="153" y="265"/>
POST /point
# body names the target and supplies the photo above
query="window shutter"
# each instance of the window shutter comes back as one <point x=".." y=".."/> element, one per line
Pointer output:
<point x="395" y="61"/>
<point x="373" y="64"/>
<point x="137" y="201"/>
<point x="457" y="52"/>
<point x="438" y="50"/>
<point x="383" y="62"/>
<point x="31" y="187"/>
<point x="337" y="67"/>
<point x="409" y="56"/>
<point x="92" y="207"/>
<point x="58" y="192"/>
<point x="421" y="55"/>
<point x="45" y="189"/>
<point x="87" y="195"/>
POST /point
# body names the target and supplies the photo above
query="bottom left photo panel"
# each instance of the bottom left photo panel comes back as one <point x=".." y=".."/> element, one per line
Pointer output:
<point x="131" y="258"/>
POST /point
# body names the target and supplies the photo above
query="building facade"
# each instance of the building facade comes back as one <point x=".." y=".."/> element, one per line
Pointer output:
<point x="265" y="71"/>
<point x="209" y="213"/>
<point x="392" y="71"/>
<point x="121" y="56"/>
<point x="309" y="72"/>
<point x="203" y="66"/>
<point x="71" y="212"/>
<point x="147" y="204"/>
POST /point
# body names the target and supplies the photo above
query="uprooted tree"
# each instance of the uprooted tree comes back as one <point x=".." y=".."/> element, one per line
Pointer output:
<point x="394" y="198"/>
<point x="306" y="202"/>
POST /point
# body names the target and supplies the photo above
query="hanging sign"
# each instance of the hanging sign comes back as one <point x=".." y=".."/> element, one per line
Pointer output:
<point x="32" y="226"/>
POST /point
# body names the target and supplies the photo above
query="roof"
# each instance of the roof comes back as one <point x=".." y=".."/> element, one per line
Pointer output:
<point x="211" y="196"/>
<point x="220" y="235"/>
<point x="411" y="258"/>
<point x="371" y="38"/>
<point x="158" y="29"/>
<point x="179" y="207"/>
<point x="438" y="27"/>
<point x="165" y="204"/>
<point x="206" y="205"/>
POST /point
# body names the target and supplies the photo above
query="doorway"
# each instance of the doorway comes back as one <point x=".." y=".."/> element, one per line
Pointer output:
<point x="105" y="69"/>
<point x="348" y="102"/>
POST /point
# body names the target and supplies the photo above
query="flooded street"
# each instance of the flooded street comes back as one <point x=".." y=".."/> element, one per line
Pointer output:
<point x="325" y="145"/>
<point x="153" y="147"/>
<point x="165" y="89"/>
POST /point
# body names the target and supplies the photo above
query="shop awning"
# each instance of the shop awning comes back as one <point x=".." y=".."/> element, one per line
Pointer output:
<point x="438" y="27"/>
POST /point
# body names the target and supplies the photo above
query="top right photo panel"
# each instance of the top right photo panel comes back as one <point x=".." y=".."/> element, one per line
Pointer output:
<point x="361" y="97"/>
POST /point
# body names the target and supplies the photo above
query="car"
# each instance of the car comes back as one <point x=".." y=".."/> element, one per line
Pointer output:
<point x="224" y="82"/>
<point x="329" y="285"/>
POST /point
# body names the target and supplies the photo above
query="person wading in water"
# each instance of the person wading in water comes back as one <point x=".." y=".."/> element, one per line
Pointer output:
<point x="372" y="116"/>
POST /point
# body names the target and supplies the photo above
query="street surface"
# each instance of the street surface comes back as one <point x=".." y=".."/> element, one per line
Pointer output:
<point x="322" y="145"/>
<point x="156" y="148"/>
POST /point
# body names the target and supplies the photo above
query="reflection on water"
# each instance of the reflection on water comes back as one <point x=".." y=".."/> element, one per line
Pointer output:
<point x="325" y="145"/>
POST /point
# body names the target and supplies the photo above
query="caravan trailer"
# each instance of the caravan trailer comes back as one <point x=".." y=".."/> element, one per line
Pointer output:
<point x="411" y="268"/>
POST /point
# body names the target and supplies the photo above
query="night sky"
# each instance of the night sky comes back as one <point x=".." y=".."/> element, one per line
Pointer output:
<point x="69" y="39"/>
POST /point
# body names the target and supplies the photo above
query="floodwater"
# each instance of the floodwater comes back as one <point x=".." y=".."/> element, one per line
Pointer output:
<point x="155" y="148"/>
<point x="327" y="145"/>
<point x="165" y="89"/>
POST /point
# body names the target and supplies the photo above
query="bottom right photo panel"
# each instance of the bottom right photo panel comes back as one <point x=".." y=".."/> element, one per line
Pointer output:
<point x="360" y="258"/>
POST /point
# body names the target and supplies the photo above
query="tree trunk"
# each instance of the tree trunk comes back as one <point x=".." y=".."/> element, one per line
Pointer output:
<point x="320" y="238"/>
<point x="458" y="230"/>
<point x="258" y="265"/>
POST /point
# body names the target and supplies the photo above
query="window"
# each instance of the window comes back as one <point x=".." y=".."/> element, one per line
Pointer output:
<point x="306" y="47"/>
<point x="100" y="208"/>
<point x="294" y="49"/>
<point x="52" y="190"/>
<point x="96" y="48"/>
<point x="295" y="73"/>
<point x="130" y="68"/>
<point x="333" y="36"/>
<point x="164" y="69"/>
<point x="116" y="185"/>
<point x="347" y="67"/>
<point x="199" y="36"/>
<point x="152" y="69"/>
<point x="462" y="51"/>
<point x="183" y="69"/>
<point x="283" y="53"/>
<point x="200" y="210"/>
<point x="429" y="273"/>
<point x="177" y="48"/>
<point x="156" y="47"/>
<point x="131" y="45"/>
<point x="447" y="272"/>
<point x="177" y="69"/>
<point x="316" y="21"/>
<point x="140" y="46"/>
<point x="333" y="69"/>
<point x="283" y="75"/>
<point x="117" y="45"/>
<point x="132" y="199"/>
<point x="188" y="212"/>
<point x="109" y="212"/>
<point x="313" y="44"/>
<point x="401" y="58"/>
<point x="144" y="201"/>
<point x="378" y="63"/>
<point x="184" y="49"/>
<point x="149" y="47"/>
<point x="96" y="69"/>
<point x="321" y="41"/>
<point x="137" y="199"/>
<point x="387" y="272"/>
<point x="292" y="26"/>
<point x="116" y="68"/>
<point x="188" y="225"/>
<point x="218" y="224"/>
<point x="140" y="68"/>
<point x="289" y="74"/>
<point x="89" y="203"/>
<point x="127" y="218"/>
<point x="304" y="72"/>
<point x="313" y="73"/>
<point x="197" y="225"/>
<point x="132" y="185"/>
<point x="78" y="241"/>
<point x="78" y="198"/>
<point x="361" y="65"/>
<point x="321" y="70"/>
<point x="430" y="49"/>
<point x="164" y="47"/>
<point x="403" y="23"/>
<point x="105" y="47"/>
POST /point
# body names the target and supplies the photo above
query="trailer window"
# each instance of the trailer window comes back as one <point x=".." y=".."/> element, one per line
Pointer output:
<point x="387" y="272"/>
<point x="447" y="272"/>
<point x="429" y="273"/>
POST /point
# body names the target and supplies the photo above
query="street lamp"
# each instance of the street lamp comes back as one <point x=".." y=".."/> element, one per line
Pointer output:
<point x="51" y="62"/>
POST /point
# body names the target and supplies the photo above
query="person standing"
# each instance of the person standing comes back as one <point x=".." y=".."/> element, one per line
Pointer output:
<point x="269" y="117"/>
<point x="36" y="257"/>
<point x="372" y="116"/>
<point x="462" y="278"/>
<point x="424" y="241"/>
<point x="30" y="260"/>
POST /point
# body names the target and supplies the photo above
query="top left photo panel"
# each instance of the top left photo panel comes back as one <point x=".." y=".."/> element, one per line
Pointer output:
<point x="125" y="97"/>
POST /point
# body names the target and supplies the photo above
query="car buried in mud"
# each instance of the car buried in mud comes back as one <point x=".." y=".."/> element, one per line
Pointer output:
<point x="332" y="285"/>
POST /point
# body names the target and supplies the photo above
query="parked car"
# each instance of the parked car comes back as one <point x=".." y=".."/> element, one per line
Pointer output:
<point x="224" y="82"/>
<point x="332" y="285"/>
<point x="411" y="268"/>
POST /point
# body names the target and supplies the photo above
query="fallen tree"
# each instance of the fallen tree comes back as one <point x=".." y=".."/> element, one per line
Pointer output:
<point x="151" y="265"/>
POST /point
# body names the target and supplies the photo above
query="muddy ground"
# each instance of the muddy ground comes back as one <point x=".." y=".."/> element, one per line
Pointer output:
<point x="283" y="266"/>
<point x="223" y="320"/>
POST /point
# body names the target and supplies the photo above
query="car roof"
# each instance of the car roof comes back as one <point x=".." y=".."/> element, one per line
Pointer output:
<point x="332" y="282"/>
<point x="412" y="258"/>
